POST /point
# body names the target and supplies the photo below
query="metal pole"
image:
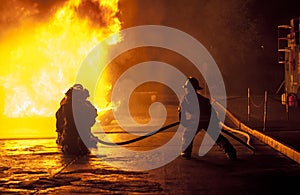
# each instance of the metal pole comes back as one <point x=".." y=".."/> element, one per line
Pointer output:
<point x="249" y="111"/>
<point x="265" y="110"/>
<point x="287" y="104"/>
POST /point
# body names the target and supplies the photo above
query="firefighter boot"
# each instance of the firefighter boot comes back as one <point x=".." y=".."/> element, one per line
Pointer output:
<point x="227" y="147"/>
<point x="187" y="153"/>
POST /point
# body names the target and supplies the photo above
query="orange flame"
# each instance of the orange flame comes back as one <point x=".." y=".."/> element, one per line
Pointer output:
<point x="39" y="59"/>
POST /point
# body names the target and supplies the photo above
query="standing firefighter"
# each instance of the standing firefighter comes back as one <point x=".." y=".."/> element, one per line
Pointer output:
<point x="187" y="114"/>
<point x="74" y="120"/>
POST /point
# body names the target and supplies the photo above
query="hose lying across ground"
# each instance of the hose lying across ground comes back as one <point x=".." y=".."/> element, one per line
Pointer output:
<point x="225" y="130"/>
<point x="139" y="138"/>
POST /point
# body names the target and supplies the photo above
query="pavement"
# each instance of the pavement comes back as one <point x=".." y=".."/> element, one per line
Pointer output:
<point x="38" y="167"/>
<point x="271" y="122"/>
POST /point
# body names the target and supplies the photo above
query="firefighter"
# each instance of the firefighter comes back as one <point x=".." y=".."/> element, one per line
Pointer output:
<point x="75" y="104"/>
<point x="187" y="114"/>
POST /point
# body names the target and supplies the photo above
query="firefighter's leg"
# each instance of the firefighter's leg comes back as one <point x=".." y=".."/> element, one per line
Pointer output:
<point x="228" y="148"/>
<point x="187" y="152"/>
<point x="59" y="138"/>
<point x="83" y="150"/>
<point x="187" y="143"/>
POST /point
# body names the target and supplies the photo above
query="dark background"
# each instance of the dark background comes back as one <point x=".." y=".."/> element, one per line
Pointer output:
<point x="241" y="35"/>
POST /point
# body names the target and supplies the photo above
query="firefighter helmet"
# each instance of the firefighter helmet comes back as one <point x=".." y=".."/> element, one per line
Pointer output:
<point x="194" y="82"/>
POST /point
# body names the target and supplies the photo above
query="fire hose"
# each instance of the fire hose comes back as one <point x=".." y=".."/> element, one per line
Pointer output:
<point x="139" y="138"/>
<point x="225" y="129"/>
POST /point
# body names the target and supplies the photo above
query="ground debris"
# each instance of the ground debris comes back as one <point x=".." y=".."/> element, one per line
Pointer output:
<point x="4" y="168"/>
<point x="30" y="172"/>
<point x="102" y="171"/>
<point x="44" y="182"/>
<point x="124" y="186"/>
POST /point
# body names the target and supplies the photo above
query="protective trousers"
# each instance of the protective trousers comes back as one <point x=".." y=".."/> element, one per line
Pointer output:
<point x="221" y="141"/>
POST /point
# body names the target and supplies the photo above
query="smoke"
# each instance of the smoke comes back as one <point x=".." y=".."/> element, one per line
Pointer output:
<point x="16" y="14"/>
<point x="233" y="31"/>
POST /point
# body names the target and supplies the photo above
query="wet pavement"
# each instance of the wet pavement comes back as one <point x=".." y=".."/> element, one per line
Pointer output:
<point x="37" y="167"/>
<point x="43" y="170"/>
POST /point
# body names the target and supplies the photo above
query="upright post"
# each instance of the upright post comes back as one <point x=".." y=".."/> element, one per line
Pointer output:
<point x="248" y="107"/>
<point x="287" y="105"/>
<point x="265" y="110"/>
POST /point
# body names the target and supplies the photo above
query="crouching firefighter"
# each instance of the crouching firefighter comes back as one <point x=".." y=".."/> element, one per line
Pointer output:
<point x="187" y="114"/>
<point x="74" y="119"/>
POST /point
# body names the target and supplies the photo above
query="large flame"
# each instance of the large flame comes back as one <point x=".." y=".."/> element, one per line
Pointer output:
<point x="40" y="57"/>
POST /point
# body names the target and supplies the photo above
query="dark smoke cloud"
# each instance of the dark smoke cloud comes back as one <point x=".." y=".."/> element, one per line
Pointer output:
<point x="241" y="35"/>
<point x="15" y="13"/>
